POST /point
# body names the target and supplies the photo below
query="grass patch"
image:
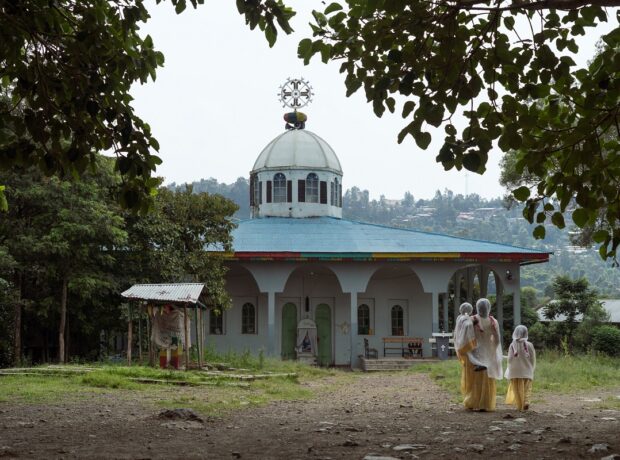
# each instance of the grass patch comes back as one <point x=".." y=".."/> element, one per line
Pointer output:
<point x="217" y="398"/>
<point x="554" y="373"/>
<point x="611" y="402"/>
<point x="38" y="388"/>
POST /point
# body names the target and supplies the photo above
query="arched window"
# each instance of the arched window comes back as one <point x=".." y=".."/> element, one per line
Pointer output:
<point x="248" y="319"/>
<point x="216" y="321"/>
<point x="279" y="188"/>
<point x="312" y="188"/>
<point x="398" y="320"/>
<point x="363" y="319"/>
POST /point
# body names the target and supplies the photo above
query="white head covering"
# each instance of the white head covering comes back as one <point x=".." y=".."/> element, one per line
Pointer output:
<point x="488" y="339"/>
<point x="463" y="330"/>
<point x="519" y="337"/>
<point x="484" y="307"/>
<point x="466" y="308"/>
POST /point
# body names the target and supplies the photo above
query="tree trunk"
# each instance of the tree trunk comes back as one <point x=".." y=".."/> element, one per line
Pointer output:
<point x="67" y="339"/>
<point x="17" y="344"/>
<point x="140" y="336"/>
<point x="17" y="331"/>
<point x="63" y="321"/>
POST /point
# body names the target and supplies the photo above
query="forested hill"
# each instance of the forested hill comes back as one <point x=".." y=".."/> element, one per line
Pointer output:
<point x="466" y="216"/>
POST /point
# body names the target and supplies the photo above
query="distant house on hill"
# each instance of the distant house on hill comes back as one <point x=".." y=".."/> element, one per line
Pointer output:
<point x="611" y="305"/>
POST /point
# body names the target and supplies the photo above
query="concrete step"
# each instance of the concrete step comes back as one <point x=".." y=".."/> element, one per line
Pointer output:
<point x="391" y="364"/>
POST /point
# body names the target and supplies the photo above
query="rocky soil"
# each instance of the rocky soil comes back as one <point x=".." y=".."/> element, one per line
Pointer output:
<point x="376" y="416"/>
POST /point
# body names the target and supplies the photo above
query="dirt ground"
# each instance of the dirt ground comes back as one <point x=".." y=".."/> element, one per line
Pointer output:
<point x="375" y="416"/>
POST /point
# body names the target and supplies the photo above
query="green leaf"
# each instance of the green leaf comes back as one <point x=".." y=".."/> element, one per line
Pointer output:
<point x="4" y="205"/>
<point x="522" y="193"/>
<point x="472" y="162"/>
<point x="558" y="220"/>
<point x="271" y="34"/>
<point x="180" y="6"/>
<point x="539" y="232"/>
<point x="304" y="49"/>
<point x="408" y="108"/>
<point x="600" y="235"/>
<point x="580" y="217"/>
<point x="422" y="139"/>
<point x="333" y="7"/>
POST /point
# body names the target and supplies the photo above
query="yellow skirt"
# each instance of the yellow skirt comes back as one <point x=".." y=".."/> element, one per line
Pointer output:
<point x="519" y="393"/>
<point x="483" y="393"/>
<point x="467" y="375"/>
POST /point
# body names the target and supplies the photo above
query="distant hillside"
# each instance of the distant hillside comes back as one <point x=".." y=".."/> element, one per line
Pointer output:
<point x="465" y="216"/>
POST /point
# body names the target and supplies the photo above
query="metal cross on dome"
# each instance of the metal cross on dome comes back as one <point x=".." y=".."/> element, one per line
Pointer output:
<point x="295" y="93"/>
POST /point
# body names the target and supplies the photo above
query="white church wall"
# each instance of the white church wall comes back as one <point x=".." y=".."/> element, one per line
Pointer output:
<point x="342" y="330"/>
<point x="407" y="292"/>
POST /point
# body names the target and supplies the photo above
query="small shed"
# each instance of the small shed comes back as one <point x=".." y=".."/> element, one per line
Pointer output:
<point x="178" y="295"/>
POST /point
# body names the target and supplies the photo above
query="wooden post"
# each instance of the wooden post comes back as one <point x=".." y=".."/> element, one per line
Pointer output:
<point x="129" y="337"/>
<point x="186" y="337"/>
<point x="149" y="341"/>
<point x="140" y="334"/>
<point x="199" y="334"/>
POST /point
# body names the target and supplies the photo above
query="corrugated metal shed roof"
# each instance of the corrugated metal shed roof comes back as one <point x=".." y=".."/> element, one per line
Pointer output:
<point x="328" y="235"/>
<point x="177" y="292"/>
<point x="611" y="305"/>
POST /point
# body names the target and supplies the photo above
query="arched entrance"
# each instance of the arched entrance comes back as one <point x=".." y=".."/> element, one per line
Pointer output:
<point x="323" y="319"/>
<point x="289" y="330"/>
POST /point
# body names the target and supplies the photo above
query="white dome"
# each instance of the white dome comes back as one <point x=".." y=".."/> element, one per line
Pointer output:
<point x="298" y="148"/>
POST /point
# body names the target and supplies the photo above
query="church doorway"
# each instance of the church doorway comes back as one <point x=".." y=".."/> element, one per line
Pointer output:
<point x="323" y="319"/>
<point x="289" y="330"/>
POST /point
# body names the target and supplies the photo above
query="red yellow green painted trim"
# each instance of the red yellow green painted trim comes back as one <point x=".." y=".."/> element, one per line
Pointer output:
<point x="384" y="256"/>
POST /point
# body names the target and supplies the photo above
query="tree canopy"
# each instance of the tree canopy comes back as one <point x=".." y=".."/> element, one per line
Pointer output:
<point x="66" y="68"/>
<point x="507" y="68"/>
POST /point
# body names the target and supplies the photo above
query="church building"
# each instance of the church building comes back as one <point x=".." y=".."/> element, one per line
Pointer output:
<point x="298" y="265"/>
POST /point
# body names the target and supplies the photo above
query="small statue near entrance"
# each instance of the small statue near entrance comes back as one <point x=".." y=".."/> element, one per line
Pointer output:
<point x="306" y="341"/>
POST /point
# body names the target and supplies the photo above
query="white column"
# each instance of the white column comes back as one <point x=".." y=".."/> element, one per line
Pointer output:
<point x="435" y="302"/>
<point x="470" y="285"/>
<point x="271" y="323"/>
<point x="499" y="289"/>
<point x="353" y="330"/>
<point x="457" y="294"/>
<point x="516" y="305"/>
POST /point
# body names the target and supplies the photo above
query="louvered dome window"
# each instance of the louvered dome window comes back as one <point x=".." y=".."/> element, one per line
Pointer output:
<point x="279" y="188"/>
<point x="312" y="188"/>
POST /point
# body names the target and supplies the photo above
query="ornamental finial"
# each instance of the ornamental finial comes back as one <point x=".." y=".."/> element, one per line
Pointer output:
<point x="295" y="93"/>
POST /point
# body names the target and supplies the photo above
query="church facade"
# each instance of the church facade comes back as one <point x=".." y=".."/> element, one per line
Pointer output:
<point x="297" y="261"/>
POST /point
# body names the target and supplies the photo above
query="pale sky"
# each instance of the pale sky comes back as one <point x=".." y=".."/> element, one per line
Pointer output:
<point x="214" y="107"/>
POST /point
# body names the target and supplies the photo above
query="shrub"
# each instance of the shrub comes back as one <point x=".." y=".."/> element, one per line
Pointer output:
<point x="537" y="334"/>
<point x="606" y="339"/>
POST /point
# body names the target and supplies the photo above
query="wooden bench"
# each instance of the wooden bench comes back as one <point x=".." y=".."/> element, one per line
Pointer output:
<point x="406" y="347"/>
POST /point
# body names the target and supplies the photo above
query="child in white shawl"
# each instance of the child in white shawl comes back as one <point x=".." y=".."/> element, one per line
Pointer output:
<point x="520" y="371"/>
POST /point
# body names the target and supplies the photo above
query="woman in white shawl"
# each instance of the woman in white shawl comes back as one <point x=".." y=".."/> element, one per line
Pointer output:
<point x="465" y="344"/>
<point x="520" y="371"/>
<point x="489" y="352"/>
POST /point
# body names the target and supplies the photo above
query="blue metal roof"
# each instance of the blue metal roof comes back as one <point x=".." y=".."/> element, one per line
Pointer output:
<point x="332" y="235"/>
